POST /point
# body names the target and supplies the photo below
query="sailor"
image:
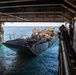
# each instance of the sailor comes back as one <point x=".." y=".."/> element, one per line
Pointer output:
<point x="61" y="28"/>
<point x="59" y="35"/>
<point x="71" y="32"/>
<point x="65" y="35"/>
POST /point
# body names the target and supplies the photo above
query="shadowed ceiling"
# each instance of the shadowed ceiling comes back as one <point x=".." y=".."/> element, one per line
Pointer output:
<point x="37" y="10"/>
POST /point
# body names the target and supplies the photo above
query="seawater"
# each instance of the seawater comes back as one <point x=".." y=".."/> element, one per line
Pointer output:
<point x="14" y="63"/>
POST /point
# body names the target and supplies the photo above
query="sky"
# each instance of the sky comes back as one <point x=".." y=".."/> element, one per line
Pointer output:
<point x="33" y="23"/>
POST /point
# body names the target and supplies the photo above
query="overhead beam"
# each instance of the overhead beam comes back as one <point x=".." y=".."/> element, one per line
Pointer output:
<point x="13" y="1"/>
<point x="22" y="3"/>
<point x="33" y="9"/>
<point x="36" y="5"/>
<point x="42" y="8"/>
<point x="68" y="5"/>
<point x="46" y="17"/>
<point x="14" y="16"/>
<point x="14" y="10"/>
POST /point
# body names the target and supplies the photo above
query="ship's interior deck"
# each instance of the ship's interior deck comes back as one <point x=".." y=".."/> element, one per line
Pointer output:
<point x="41" y="11"/>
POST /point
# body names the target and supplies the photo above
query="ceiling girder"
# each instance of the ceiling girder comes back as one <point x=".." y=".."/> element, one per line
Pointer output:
<point x="20" y="10"/>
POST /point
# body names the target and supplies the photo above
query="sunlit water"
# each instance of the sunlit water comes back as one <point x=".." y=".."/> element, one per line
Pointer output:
<point x="13" y="63"/>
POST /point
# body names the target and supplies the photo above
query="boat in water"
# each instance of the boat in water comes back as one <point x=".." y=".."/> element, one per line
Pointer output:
<point x="40" y="40"/>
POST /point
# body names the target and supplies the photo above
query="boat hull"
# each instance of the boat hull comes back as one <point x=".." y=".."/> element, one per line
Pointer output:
<point x="32" y="49"/>
<point x="44" y="46"/>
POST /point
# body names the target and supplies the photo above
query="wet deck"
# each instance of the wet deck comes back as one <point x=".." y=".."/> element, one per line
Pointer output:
<point x="12" y="63"/>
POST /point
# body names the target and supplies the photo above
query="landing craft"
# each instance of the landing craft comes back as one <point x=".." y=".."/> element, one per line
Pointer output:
<point x="39" y="41"/>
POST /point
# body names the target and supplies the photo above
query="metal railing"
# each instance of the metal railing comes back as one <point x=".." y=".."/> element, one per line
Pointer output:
<point x="65" y="67"/>
<point x="65" y="59"/>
